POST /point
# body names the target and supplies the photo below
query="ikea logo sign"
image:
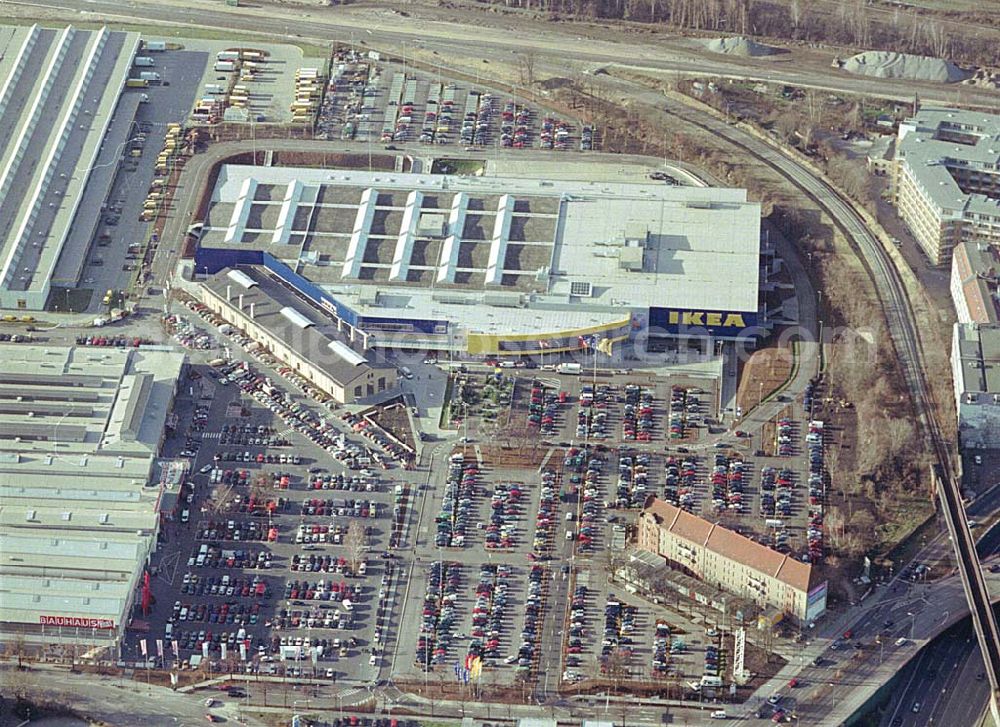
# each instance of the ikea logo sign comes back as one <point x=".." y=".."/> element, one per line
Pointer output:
<point x="703" y="318"/>
<point x="727" y="324"/>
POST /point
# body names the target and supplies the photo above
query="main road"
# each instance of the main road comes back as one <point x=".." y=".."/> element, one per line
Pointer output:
<point x="499" y="37"/>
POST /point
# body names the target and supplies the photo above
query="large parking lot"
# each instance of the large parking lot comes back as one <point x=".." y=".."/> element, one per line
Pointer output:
<point x="374" y="101"/>
<point x="281" y="544"/>
<point x="311" y="542"/>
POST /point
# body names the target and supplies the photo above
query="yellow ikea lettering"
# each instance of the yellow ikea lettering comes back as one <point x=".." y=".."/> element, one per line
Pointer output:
<point x="699" y="318"/>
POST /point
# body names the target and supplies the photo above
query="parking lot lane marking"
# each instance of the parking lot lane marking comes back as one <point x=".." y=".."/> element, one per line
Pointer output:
<point x="171" y="561"/>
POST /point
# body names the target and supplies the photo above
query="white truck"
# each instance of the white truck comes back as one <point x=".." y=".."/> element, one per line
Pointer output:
<point x="144" y="61"/>
<point x="151" y="76"/>
<point x="570" y="368"/>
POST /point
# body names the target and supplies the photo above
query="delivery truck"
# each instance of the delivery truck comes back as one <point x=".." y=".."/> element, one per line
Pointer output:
<point x="144" y="61"/>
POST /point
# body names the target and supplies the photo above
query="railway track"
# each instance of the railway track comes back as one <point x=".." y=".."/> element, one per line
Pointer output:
<point x="905" y="335"/>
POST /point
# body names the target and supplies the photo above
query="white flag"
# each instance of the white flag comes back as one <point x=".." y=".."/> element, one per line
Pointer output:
<point x="159" y="648"/>
<point x="142" y="646"/>
<point x="204" y="649"/>
<point x="223" y="650"/>
<point x="177" y="649"/>
<point x="243" y="651"/>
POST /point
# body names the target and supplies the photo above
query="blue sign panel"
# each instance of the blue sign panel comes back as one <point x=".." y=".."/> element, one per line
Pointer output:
<point x="721" y="324"/>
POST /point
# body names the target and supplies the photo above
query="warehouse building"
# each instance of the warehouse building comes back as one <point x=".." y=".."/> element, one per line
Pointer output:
<point x="732" y="562"/>
<point x="326" y="352"/>
<point x="80" y="430"/>
<point x="947" y="179"/>
<point x="494" y="266"/>
<point x="975" y="282"/>
<point x="63" y="121"/>
<point x="975" y="367"/>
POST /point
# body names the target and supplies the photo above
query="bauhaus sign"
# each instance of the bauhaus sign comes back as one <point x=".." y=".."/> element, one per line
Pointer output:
<point x="82" y="622"/>
<point x="722" y="323"/>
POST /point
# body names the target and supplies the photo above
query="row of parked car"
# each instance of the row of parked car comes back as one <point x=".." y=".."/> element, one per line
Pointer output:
<point x="547" y="516"/>
<point x="456" y="507"/>
<point x="784" y="437"/>
<point x="505" y="508"/>
<point x="116" y="341"/>
<point x="728" y="481"/>
<point x="236" y="530"/>
<point x="633" y="478"/>
<point x="225" y="586"/>
<point x="515" y="126"/>
<point x="637" y="418"/>
<point x="316" y="563"/>
<point x="543" y="408"/>
<point x="476" y="124"/>
<point x="578" y="627"/>
<point x="324" y="616"/>
<point x="663" y="647"/>
<point x="682" y="403"/>
<point x="531" y="633"/>
<point x="371" y="431"/>
<point x="440" y="614"/>
<point x="592" y="418"/>
<point x="187" y="334"/>
<point x="488" y="612"/>
<point x="817" y="488"/>
<point x="357" y="483"/>
<point x="229" y="612"/>
<point x="681" y="477"/>
<point x="591" y="505"/>
<point x="211" y="556"/>
<point x="619" y="625"/>
<point x="776" y="492"/>
<point x="555" y="134"/>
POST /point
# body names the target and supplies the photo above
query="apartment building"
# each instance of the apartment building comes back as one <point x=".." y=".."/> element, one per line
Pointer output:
<point x="730" y="561"/>
<point x="975" y="366"/>
<point x="946" y="179"/>
<point x="975" y="282"/>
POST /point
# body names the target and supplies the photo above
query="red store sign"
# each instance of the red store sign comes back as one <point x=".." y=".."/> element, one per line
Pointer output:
<point x="77" y="622"/>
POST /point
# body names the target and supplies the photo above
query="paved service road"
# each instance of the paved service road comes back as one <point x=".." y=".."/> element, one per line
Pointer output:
<point x="450" y="40"/>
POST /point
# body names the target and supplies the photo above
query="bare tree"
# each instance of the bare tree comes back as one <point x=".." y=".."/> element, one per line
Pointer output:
<point x="356" y="543"/>
<point x="526" y="67"/>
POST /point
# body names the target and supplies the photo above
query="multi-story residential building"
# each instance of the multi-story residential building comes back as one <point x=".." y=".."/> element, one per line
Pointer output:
<point x="726" y="559"/>
<point x="946" y="181"/>
<point x="975" y="366"/>
<point x="975" y="282"/>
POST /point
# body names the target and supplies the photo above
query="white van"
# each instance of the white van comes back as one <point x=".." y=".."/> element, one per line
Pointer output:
<point x="711" y="681"/>
<point x="720" y="714"/>
<point x="168" y="632"/>
<point x="569" y="516"/>
<point x="405" y="371"/>
<point x="185" y="516"/>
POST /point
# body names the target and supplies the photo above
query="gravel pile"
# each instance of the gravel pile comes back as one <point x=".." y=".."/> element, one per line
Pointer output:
<point x="886" y="64"/>
<point x="739" y="46"/>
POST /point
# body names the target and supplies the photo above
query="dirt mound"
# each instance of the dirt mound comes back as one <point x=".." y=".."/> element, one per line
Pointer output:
<point x="886" y="64"/>
<point x="739" y="46"/>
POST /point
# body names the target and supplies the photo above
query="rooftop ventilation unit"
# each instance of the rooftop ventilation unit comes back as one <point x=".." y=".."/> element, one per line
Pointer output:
<point x="295" y="317"/>
<point x="238" y="276"/>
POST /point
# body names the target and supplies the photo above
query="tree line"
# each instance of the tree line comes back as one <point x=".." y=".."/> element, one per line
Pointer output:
<point x="846" y="22"/>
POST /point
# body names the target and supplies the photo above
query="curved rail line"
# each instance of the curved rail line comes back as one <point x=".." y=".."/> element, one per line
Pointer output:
<point x="905" y="334"/>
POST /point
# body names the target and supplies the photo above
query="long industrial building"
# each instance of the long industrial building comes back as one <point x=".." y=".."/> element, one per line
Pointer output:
<point x="493" y="266"/>
<point x="294" y="330"/>
<point x="946" y="179"/>
<point x="80" y="431"/>
<point x="728" y="560"/>
<point x="61" y="106"/>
